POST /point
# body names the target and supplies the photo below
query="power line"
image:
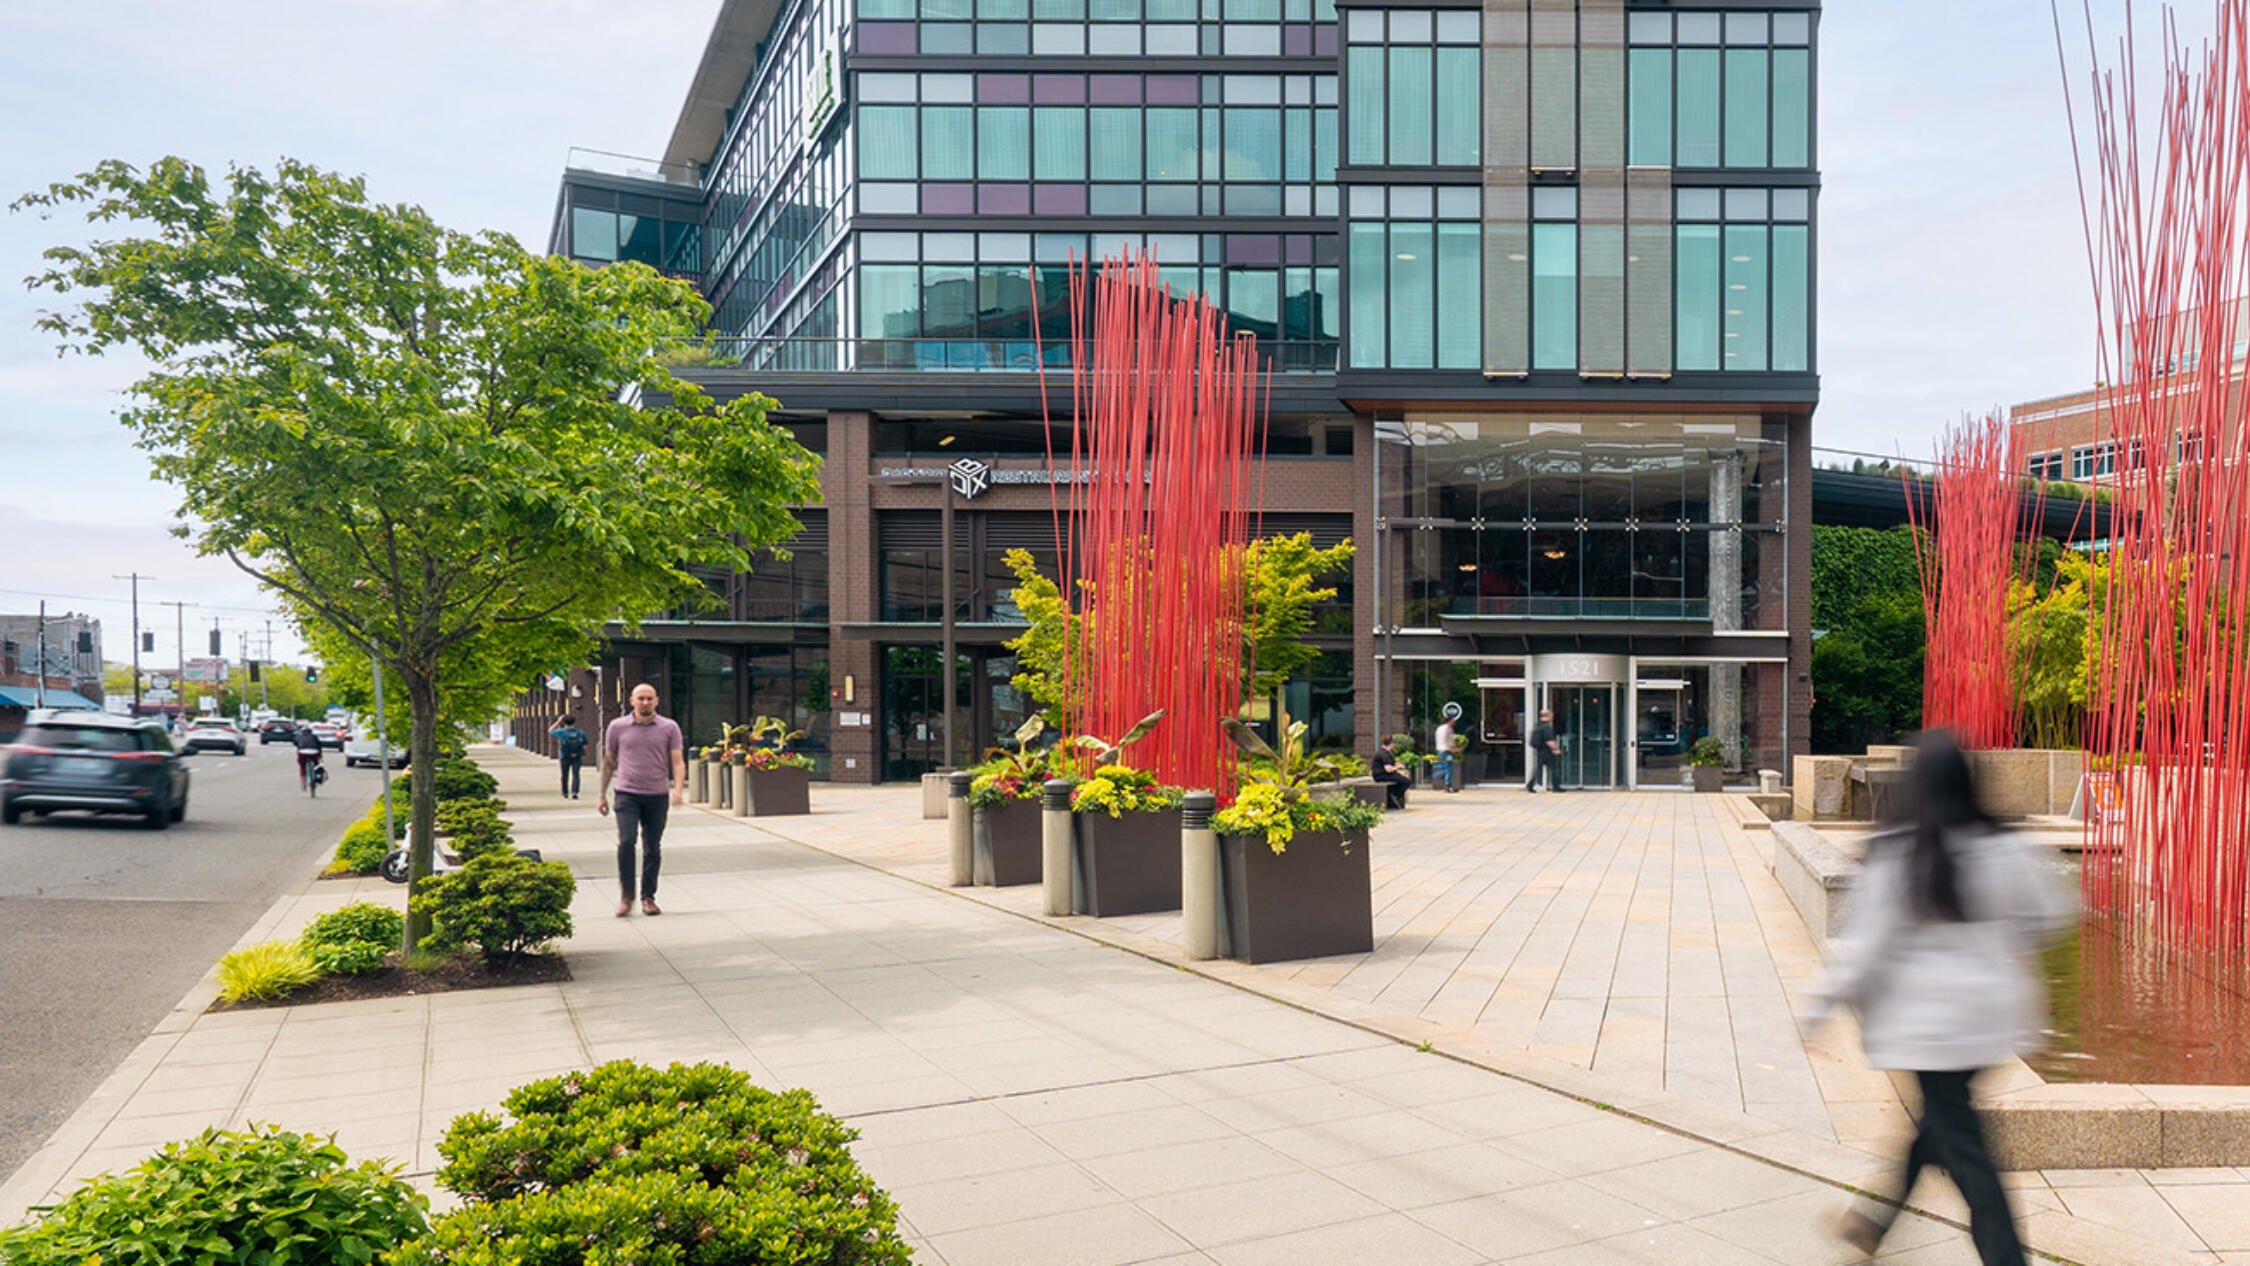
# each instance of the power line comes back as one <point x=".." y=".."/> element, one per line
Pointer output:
<point x="119" y="602"/>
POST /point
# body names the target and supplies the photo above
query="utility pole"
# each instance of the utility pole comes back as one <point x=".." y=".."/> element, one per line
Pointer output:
<point x="42" y="691"/>
<point x="136" y="578"/>
<point x="265" y="679"/>
<point x="179" y="674"/>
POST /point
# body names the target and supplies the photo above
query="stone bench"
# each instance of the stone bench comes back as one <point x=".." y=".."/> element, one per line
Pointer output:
<point x="1815" y="873"/>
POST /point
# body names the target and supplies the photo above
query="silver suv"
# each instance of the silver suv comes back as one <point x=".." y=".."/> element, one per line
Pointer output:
<point x="209" y="735"/>
<point x="94" y="761"/>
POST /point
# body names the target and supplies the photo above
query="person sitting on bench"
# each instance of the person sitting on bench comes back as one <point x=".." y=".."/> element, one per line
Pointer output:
<point x="1392" y="775"/>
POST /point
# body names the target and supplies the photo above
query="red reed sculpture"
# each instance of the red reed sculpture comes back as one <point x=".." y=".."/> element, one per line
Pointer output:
<point x="1169" y="418"/>
<point x="2164" y="197"/>
<point x="1967" y="521"/>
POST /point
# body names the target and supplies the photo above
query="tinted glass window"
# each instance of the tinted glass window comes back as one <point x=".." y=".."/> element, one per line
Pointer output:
<point x="85" y="738"/>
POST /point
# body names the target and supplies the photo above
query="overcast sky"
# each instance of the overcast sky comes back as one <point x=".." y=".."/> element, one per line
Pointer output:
<point x="1952" y="264"/>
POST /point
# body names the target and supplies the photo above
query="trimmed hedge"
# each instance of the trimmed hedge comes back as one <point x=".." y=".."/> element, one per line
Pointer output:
<point x="363" y="847"/>
<point x="502" y="903"/>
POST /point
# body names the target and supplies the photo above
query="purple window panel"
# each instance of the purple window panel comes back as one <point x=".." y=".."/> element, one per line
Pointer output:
<point x="1058" y="199"/>
<point x="1253" y="248"/>
<point x="1174" y="90"/>
<point x="1300" y="249"/>
<point x="1117" y="90"/>
<point x="1003" y="199"/>
<point x="886" y="37"/>
<point x="1296" y="41"/>
<point x="1058" y="89"/>
<point x="1004" y="89"/>
<point x="1324" y="39"/>
<point x="948" y="199"/>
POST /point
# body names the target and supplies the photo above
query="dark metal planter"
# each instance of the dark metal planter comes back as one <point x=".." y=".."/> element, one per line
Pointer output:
<point x="1007" y="844"/>
<point x="1129" y="864"/>
<point x="774" y="792"/>
<point x="1313" y="900"/>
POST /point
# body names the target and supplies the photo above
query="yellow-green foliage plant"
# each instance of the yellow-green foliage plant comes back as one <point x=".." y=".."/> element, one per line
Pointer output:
<point x="265" y="971"/>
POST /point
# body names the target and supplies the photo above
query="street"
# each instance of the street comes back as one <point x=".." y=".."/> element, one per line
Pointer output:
<point x="105" y="925"/>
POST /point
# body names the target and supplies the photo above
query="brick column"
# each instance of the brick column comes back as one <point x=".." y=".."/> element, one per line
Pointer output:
<point x="853" y="757"/>
<point x="1367" y="604"/>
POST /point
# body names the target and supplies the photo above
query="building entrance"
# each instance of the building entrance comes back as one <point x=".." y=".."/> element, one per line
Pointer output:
<point x="1585" y="721"/>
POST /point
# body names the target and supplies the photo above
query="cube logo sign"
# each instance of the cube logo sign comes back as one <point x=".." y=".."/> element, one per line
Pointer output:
<point x="969" y="476"/>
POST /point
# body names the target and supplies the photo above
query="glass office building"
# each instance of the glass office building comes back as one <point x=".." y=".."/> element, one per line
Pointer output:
<point x="1534" y="279"/>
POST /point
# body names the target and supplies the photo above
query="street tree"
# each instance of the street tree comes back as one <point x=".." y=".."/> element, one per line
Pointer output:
<point x="432" y="442"/>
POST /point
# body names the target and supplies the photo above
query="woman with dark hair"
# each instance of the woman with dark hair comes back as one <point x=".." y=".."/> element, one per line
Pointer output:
<point x="1937" y="954"/>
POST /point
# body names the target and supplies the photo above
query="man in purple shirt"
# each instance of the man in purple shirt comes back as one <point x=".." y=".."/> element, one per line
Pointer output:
<point x="643" y="755"/>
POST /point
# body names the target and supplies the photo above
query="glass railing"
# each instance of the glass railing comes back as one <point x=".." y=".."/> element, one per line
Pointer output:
<point x="1425" y="612"/>
<point x="937" y="355"/>
<point x="610" y="163"/>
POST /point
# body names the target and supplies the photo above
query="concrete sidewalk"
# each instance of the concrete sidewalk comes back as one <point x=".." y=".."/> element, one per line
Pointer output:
<point x="1029" y="1094"/>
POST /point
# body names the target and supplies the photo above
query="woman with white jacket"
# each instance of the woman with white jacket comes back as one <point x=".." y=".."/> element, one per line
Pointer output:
<point x="1938" y="958"/>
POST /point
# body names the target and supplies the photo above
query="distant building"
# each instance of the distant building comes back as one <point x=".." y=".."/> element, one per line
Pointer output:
<point x="2071" y="436"/>
<point x="73" y="667"/>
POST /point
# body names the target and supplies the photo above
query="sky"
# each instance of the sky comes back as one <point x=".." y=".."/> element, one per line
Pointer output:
<point x="1952" y="263"/>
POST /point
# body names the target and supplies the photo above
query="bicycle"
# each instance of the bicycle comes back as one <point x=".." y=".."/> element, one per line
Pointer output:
<point x="311" y="773"/>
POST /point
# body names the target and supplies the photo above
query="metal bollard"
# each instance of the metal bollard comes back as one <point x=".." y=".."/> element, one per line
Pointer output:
<point x="958" y="827"/>
<point x="1199" y="876"/>
<point x="1054" y="847"/>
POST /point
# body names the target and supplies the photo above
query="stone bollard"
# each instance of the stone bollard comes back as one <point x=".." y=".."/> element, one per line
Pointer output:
<point x="698" y="781"/>
<point x="1054" y="847"/>
<point x="960" y="830"/>
<point x="741" y="791"/>
<point x="722" y="786"/>
<point x="1199" y="876"/>
<point x="1769" y="782"/>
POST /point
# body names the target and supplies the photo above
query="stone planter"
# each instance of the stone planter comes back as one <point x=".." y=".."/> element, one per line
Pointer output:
<point x="1006" y="840"/>
<point x="1128" y="864"/>
<point x="775" y="792"/>
<point x="1313" y="900"/>
<point x="1707" y="778"/>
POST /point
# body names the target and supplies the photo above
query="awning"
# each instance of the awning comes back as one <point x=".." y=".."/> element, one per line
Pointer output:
<point x="28" y="697"/>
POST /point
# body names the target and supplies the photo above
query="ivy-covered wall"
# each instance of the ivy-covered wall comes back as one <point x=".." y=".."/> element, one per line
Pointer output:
<point x="1868" y="637"/>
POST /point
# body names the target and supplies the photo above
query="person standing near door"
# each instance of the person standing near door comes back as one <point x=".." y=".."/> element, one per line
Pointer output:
<point x="1445" y="765"/>
<point x="1546" y="753"/>
<point x="645" y="756"/>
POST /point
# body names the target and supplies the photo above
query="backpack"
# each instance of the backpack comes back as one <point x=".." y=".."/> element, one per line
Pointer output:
<point x="573" y="742"/>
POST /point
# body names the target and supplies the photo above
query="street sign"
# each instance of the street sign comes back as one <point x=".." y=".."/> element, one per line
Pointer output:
<point x="211" y="670"/>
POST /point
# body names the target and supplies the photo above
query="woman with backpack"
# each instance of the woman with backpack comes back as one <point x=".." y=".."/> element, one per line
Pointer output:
<point x="570" y="745"/>
<point x="1938" y="958"/>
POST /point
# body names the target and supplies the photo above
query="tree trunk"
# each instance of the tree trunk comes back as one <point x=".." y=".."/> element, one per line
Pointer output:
<point x="421" y="830"/>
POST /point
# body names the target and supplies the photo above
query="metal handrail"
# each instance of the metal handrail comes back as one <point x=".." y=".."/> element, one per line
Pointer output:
<point x="942" y="355"/>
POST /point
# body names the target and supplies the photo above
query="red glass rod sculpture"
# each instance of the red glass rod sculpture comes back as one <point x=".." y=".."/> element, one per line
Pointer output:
<point x="1169" y="416"/>
<point x="1966" y="519"/>
<point x="2165" y="188"/>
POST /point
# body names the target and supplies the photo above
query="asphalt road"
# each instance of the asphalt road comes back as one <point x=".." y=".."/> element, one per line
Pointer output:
<point x="105" y="925"/>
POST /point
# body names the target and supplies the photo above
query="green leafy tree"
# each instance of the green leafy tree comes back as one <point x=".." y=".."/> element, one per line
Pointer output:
<point x="436" y="444"/>
<point x="1284" y="588"/>
<point x="1045" y="648"/>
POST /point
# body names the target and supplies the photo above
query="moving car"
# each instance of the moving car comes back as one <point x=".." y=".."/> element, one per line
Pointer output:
<point x="214" y="733"/>
<point x="363" y="748"/>
<point x="277" y="730"/>
<point x="97" y="762"/>
<point x="331" y="734"/>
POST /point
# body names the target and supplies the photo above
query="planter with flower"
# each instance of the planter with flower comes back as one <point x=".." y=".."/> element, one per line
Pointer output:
<point x="1004" y="809"/>
<point x="1125" y="828"/>
<point x="777" y="778"/>
<point x="1707" y="764"/>
<point x="1294" y="880"/>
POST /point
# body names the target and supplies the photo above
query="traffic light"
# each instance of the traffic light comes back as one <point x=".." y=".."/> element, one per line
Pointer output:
<point x="215" y="642"/>
<point x="312" y="674"/>
<point x="254" y="670"/>
<point x="148" y="642"/>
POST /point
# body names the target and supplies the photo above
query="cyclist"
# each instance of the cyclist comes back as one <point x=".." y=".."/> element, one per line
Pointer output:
<point x="308" y="756"/>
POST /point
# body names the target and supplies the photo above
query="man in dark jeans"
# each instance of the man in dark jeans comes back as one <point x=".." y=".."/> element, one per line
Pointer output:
<point x="570" y="749"/>
<point x="643" y="754"/>
<point x="1546" y="753"/>
<point x="1395" y="780"/>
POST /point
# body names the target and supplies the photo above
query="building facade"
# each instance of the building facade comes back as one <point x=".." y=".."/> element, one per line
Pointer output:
<point x="1534" y="278"/>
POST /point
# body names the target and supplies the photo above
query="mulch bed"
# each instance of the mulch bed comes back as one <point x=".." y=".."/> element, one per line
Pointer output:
<point x="394" y="981"/>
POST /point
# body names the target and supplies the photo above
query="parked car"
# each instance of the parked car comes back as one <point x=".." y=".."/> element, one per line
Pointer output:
<point x="331" y="734"/>
<point x="97" y="762"/>
<point x="277" y="730"/>
<point x="214" y="733"/>
<point x="363" y="748"/>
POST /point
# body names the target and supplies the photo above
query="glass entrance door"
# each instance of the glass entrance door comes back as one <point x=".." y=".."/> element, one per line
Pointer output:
<point x="1500" y="733"/>
<point x="1585" y="721"/>
<point x="1659" y="735"/>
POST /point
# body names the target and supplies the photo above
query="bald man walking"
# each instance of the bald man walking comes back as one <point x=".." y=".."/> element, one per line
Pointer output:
<point x="643" y="754"/>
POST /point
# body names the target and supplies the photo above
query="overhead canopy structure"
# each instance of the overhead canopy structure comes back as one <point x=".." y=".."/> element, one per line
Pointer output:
<point x="30" y="697"/>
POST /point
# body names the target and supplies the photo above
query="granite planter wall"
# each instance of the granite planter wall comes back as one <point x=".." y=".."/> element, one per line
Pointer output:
<point x="1313" y="900"/>
<point x="1006" y="840"/>
<point x="775" y="792"/>
<point x="1129" y="864"/>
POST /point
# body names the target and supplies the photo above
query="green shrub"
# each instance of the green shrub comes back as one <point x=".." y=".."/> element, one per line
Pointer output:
<point x="363" y="848"/>
<point x="690" y="1164"/>
<point x="374" y="818"/>
<point x="262" y="1195"/>
<point x="476" y="826"/>
<point x="360" y="922"/>
<point x="452" y="815"/>
<point x="269" y="969"/>
<point x="456" y="779"/>
<point x="348" y="958"/>
<point x="501" y="903"/>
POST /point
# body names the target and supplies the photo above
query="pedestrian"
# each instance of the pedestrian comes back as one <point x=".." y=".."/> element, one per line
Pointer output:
<point x="1390" y="774"/>
<point x="570" y="749"/>
<point x="1546" y="753"/>
<point x="642" y="753"/>
<point x="1937" y="957"/>
<point x="1445" y="766"/>
<point x="307" y="744"/>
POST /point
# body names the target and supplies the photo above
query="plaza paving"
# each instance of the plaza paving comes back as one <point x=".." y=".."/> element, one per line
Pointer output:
<point x="1034" y="1094"/>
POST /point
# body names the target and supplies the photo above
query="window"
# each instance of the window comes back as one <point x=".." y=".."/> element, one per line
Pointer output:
<point x="1416" y="277"/>
<point x="1416" y="88"/>
<point x="1742" y="277"/>
<point x="2047" y="465"/>
<point x="1719" y="89"/>
<point x="1554" y="296"/>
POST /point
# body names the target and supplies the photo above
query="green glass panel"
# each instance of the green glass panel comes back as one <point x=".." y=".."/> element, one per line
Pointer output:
<point x="1114" y="10"/>
<point x="889" y="300"/>
<point x="1792" y="298"/>
<point x="1413" y="296"/>
<point x="1116" y="142"/>
<point x="1004" y="10"/>
<point x="1698" y="107"/>
<point x="1554" y="296"/>
<point x="1058" y="10"/>
<point x="1003" y="143"/>
<point x="1695" y="322"/>
<point x="1297" y="145"/>
<point x="1324" y="144"/>
<point x="1748" y="107"/>
<point x="1648" y="128"/>
<point x="1460" y="270"/>
<point x="945" y="10"/>
<point x="948" y="142"/>
<point x="1254" y="302"/>
<point x="949" y="301"/>
<point x="1172" y="10"/>
<point x="886" y="143"/>
<point x="1061" y="143"/>
<point x="1252" y="10"/>
<point x="1364" y="74"/>
<point x="1410" y="124"/>
<point x="1172" y="142"/>
<point x="593" y="233"/>
<point x="1745" y="313"/>
<point x="1328" y="309"/>
<point x="1459" y="107"/>
<point x="886" y="9"/>
<point x="1369" y="256"/>
<point x="1253" y="144"/>
<point x="1792" y="107"/>
<point x="1211" y="145"/>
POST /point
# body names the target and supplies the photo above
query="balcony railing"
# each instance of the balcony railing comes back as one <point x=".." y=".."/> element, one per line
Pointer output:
<point x="608" y="163"/>
<point x="938" y="355"/>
